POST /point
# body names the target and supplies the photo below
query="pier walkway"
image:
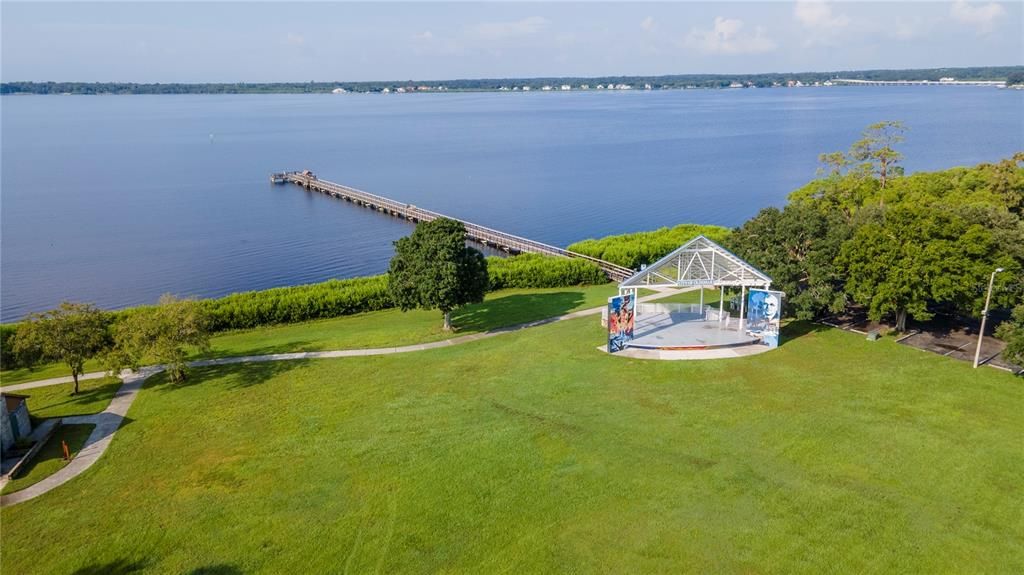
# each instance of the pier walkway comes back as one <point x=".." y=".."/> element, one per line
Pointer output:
<point x="475" y="232"/>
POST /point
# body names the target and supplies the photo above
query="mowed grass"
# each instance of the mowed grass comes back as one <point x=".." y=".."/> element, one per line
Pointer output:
<point x="43" y="371"/>
<point x="93" y="396"/>
<point x="389" y="328"/>
<point x="50" y="458"/>
<point x="533" y="452"/>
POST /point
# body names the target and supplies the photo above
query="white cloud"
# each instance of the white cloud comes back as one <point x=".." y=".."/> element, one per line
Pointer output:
<point x="982" y="17"/>
<point x="425" y="36"/>
<point x="293" y="39"/>
<point x="514" y="29"/>
<point x="818" y="15"/>
<point x="728" y="37"/>
<point x="647" y="24"/>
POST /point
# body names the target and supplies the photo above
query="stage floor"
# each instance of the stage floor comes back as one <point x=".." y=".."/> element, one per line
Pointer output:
<point x="662" y="331"/>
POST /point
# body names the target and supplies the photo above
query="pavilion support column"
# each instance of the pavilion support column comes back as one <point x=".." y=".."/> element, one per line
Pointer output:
<point x="721" y="303"/>
<point x="743" y="304"/>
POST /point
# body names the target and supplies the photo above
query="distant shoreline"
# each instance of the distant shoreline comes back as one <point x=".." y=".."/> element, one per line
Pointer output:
<point x="932" y="76"/>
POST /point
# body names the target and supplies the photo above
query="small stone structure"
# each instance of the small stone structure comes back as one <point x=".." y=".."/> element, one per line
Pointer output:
<point x="14" y="420"/>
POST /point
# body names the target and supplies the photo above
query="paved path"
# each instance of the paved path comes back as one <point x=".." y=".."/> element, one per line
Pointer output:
<point x="53" y="381"/>
<point x="108" y="421"/>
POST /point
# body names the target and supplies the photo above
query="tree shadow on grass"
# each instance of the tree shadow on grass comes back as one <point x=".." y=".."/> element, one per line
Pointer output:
<point x="797" y="329"/>
<point x="515" y="309"/>
<point x="286" y="347"/>
<point x="116" y="567"/>
<point x="232" y="375"/>
<point x="85" y="397"/>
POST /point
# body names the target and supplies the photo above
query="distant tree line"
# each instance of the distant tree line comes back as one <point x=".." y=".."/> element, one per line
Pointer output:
<point x="1012" y="74"/>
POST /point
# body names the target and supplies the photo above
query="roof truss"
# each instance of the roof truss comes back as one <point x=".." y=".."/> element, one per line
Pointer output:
<point x="699" y="262"/>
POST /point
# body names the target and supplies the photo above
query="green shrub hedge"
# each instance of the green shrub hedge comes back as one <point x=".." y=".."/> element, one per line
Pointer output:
<point x="336" y="298"/>
<point x="328" y="299"/>
<point x="7" y="358"/>
<point x="537" y="271"/>
<point x="633" y="250"/>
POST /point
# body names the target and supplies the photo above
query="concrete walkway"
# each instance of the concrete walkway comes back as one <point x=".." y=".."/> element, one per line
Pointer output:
<point x="53" y="381"/>
<point x="108" y="421"/>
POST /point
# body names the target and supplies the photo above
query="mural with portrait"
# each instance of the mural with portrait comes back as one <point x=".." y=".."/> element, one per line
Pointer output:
<point x="764" y="314"/>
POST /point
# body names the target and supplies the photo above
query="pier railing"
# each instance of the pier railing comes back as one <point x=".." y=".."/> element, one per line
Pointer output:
<point x="475" y="232"/>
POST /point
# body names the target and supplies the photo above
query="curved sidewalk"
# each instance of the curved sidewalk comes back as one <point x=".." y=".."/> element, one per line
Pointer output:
<point x="109" y="420"/>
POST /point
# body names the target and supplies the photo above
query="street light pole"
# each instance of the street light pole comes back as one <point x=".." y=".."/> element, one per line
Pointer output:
<point x="984" y="315"/>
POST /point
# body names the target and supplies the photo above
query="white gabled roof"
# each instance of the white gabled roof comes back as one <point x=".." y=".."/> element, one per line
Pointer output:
<point x="699" y="261"/>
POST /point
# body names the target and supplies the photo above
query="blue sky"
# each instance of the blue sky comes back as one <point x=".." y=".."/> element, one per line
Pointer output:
<point x="261" y="41"/>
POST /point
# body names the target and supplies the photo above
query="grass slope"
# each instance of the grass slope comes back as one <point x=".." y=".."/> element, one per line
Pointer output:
<point x="533" y="452"/>
<point x="56" y="400"/>
<point x="50" y="458"/>
<point x="387" y="328"/>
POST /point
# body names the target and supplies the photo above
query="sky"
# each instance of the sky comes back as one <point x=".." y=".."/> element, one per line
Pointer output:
<point x="342" y="41"/>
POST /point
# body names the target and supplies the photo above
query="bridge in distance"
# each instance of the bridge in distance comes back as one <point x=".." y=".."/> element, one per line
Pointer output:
<point x="475" y="232"/>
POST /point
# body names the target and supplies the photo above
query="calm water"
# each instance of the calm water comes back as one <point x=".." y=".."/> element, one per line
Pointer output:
<point x="118" y="199"/>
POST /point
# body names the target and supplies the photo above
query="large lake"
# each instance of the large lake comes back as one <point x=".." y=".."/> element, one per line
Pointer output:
<point x="118" y="199"/>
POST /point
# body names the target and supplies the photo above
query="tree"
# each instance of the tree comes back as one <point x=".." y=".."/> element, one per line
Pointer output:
<point x="162" y="333"/>
<point x="908" y="257"/>
<point x="875" y="149"/>
<point x="73" y="333"/>
<point x="1012" y="332"/>
<point x="433" y="268"/>
<point x="797" y="247"/>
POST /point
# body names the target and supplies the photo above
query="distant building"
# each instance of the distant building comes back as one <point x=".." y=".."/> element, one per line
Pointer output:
<point x="827" y="83"/>
<point x="546" y="88"/>
<point x="584" y="86"/>
<point x="946" y="80"/>
<point x="735" y="85"/>
<point x="600" y="86"/>
<point x="385" y="91"/>
<point x="526" y="88"/>
<point x="339" y="91"/>
<point x="565" y="87"/>
<point x="400" y="90"/>
<point x="647" y="86"/>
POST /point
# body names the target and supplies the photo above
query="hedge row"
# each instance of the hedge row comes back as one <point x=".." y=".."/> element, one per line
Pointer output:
<point x="634" y="250"/>
<point x="328" y="299"/>
<point x="537" y="271"/>
<point x="336" y="298"/>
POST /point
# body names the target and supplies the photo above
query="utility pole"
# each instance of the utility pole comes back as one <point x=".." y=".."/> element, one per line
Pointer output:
<point x="984" y="316"/>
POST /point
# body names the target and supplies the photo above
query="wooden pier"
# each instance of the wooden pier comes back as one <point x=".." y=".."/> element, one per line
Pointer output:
<point x="483" y="235"/>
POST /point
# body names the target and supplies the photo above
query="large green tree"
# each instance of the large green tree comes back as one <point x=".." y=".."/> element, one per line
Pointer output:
<point x="1012" y="332"/>
<point x="162" y="333"/>
<point x="907" y="258"/>
<point x="797" y="246"/>
<point x="433" y="268"/>
<point x="73" y="333"/>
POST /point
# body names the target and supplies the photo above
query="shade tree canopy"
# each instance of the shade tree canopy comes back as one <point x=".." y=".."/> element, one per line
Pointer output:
<point x="73" y="333"/>
<point x="433" y="268"/>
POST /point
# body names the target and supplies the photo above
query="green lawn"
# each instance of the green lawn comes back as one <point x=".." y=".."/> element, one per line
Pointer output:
<point x="387" y="328"/>
<point x="56" y="400"/>
<point x="45" y="371"/>
<point x="392" y="328"/>
<point x="533" y="452"/>
<point x="50" y="458"/>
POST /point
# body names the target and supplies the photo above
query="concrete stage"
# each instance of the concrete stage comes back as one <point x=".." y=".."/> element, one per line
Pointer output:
<point x="666" y="331"/>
